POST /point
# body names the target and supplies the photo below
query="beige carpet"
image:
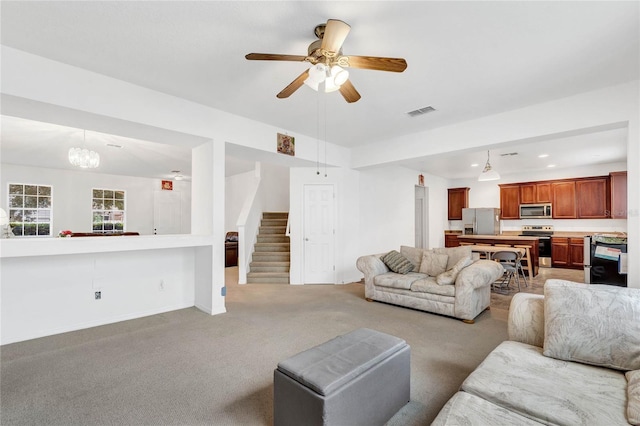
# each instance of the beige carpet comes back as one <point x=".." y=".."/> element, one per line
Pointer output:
<point x="189" y="368"/>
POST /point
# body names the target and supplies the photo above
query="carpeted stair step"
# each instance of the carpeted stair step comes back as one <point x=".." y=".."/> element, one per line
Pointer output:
<point x="268" y="277"/>
<point x="272" y="230"/>
<point x="273" y="238"/>
<point x="269" y="256"/>
<point x="269" y="266"/>
<point x="271" y="247"/>
<point x="275" y="215"/>
<point x="274" y="222"/>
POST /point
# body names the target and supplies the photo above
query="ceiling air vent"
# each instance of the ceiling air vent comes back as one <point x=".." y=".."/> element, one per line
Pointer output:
<point x="421" y="111"/>
<point x="509" y="154"/>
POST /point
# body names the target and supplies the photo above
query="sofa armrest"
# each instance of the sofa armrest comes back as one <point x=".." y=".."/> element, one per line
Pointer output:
<point x="479" y="274"/>
<point x="371" y="266"/>
<point x="526" y="319"/>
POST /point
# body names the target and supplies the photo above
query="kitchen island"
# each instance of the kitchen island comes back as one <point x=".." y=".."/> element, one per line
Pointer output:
<point x="509" y="240"/>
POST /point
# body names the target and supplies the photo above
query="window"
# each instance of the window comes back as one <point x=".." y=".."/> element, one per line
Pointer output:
<point x="108" y="211"/>
<point x="30" y="209"/>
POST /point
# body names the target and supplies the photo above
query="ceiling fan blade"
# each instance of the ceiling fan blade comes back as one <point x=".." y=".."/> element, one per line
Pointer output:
<point x="349" y="93"/>
<point x="274" y="57"/>
<point x="335" y="33"/>
<point x="294" y="85"/>
<point x="376" y="63"/>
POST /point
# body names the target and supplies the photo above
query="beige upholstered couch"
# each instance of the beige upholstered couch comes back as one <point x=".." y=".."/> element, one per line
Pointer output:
<point x="572" y="358"/>
<point x="467" y="295"/>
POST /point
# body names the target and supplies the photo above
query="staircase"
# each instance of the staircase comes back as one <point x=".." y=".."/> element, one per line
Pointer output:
<point x="270" y="260"/>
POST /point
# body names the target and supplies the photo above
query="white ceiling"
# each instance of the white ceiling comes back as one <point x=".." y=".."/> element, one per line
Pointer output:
<point x="466" y="59"/>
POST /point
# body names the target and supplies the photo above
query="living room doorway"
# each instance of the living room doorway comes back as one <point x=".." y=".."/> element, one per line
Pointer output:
<point x="319" y="234"/>
<point x="421" y="216"/>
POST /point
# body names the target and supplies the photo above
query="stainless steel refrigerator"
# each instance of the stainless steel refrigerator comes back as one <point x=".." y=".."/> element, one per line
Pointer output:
<point x="605" y="260"/>
<point x="481" y="221"/>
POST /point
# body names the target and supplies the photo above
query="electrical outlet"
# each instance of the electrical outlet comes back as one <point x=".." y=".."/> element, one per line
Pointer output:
<point x="98" y="295"/>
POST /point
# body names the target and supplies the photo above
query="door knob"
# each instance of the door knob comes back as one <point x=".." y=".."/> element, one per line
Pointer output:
<point x="306" y="239"/>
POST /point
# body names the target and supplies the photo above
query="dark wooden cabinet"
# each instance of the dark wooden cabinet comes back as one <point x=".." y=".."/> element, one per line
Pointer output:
<point x="567" y="252"/>
<point x="451" y="240"/>
<point x="535" y="193"/>
<point x="593" y="198"/>
<point x="576" y="253"/>
<point x="510" y="201"/>
<point x="618" y="181"/>
<point x="458" y="200"/>
<point x="559" y="252"/>
<point x="563" y="195"/>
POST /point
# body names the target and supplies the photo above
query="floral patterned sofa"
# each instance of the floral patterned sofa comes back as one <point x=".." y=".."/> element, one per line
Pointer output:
<point x="572" y="358"/>
<point x="444" y="281"/>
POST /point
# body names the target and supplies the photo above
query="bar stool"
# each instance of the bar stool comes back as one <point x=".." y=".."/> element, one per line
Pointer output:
<point x="527" y="258"/>
<point x="508" y="260"/>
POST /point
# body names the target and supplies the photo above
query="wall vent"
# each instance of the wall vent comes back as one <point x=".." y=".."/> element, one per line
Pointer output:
<point x="421" y="111"/>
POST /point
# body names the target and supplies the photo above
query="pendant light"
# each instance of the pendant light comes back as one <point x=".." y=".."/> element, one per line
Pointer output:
<point x="82" y="157"/>
<point x="488" y="173"/>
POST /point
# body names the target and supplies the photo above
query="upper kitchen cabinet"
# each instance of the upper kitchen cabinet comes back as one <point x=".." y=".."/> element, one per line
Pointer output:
<point x="535" y="193"/>
<point x="563" y="195"/>
<point x="458" y="200"/>
<point x="618" y="195"/>
<point x="510" y="201"/>
<point x="593" y="198"/>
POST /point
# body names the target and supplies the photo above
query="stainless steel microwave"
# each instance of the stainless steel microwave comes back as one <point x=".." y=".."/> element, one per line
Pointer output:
<point x="535" y="211"/>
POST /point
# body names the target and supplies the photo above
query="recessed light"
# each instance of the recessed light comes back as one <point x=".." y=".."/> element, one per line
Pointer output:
<point x="551" y="165"/>
<point x="543" y="155"/>
<point x="475" y="165"/>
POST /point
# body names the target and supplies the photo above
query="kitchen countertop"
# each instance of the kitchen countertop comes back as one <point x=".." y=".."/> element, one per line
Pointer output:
<point x="498" y="237"/>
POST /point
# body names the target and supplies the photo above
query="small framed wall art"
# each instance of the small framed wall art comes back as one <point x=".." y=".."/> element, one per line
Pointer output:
<point x="167" y="185"/>
<point x="286" y="144"/>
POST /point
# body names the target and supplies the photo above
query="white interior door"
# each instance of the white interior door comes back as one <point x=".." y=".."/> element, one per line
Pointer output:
<point x="166" y="213"/>
<point x="319" y="234"/>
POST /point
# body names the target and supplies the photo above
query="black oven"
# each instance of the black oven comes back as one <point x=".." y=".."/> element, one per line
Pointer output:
<point x="544" y="234"/>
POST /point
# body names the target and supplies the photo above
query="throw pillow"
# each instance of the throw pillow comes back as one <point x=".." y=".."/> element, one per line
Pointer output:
<point x="433" y="264"/>
<point x="454" y="253"/>
<point x="449" y="277"/>
<point x="397" y="262"/>
<point x="592" y="323"/>
<point x="633" y="397"/>
<point x="413" y="254"/>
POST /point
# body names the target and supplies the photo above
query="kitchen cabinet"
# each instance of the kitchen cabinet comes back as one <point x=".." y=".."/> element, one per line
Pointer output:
<point x="592" y="198"/>
<point x="451" y="240"/>
<point x="567" y="252"/>
<point x="510" y="201"/>
<point x="618" y="182"/>
<point x="535" y="193"/>
<point x="458" y="200"/>
<point x="563" y="195"/>
<point x="576" y="253"/>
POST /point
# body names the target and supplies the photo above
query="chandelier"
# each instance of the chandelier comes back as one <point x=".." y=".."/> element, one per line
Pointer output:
<point x="83" y="157"/>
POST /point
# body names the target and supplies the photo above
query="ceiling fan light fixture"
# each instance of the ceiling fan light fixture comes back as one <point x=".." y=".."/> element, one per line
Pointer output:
<point x="339" y="75"/>
<point x="488" y="173"/>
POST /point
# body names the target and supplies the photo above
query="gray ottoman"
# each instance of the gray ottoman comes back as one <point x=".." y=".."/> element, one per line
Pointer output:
<point x="360" y="378"/>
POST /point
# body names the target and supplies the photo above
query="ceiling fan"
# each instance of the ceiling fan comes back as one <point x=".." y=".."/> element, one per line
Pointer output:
<point x="325" y="56"/>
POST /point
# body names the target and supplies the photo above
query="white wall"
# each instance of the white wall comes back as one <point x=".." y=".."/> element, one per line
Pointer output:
<point x="487" y="194"/>
<point x="347" y="224"/>
<point x="274" y="188"/>
<point x="387" y="206"/>
<point x="236" y="191"/>
<point x="44" y="295"/>
<point x="72" y="193"/>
